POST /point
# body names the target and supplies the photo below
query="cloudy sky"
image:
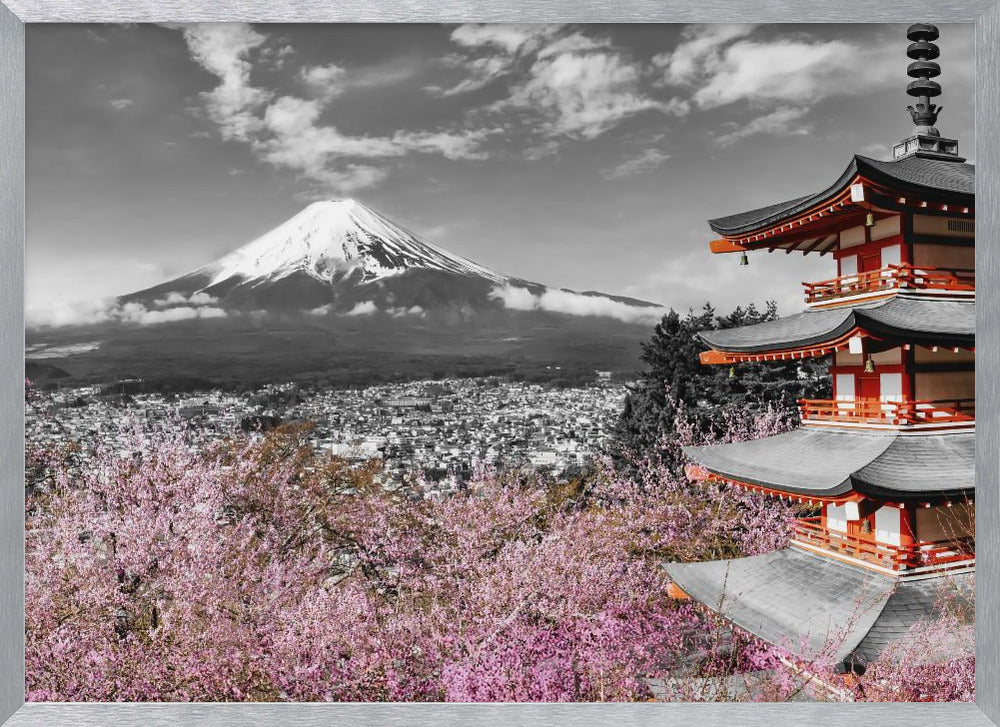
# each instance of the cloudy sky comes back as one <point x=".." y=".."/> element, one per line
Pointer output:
<point x="580" y="156"/>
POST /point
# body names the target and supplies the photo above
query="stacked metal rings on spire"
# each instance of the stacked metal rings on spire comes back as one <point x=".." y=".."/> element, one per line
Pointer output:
<point x="923" y="51"/>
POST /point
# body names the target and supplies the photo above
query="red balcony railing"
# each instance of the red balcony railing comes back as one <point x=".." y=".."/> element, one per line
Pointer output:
<point x="949" y="412"/>
<point x="942" y="554"/>
<point x="892" y="277"/>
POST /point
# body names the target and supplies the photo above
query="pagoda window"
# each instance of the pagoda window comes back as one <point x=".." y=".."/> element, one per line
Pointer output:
<point x="836" y="518"/>
<point x="891" y="255"/>
<point x="848" y="267"/>
<point x="943" y="226"/>
<point x="887" y="525"/>
<point x="890" y="387"/>
<point x="843" y="387"/>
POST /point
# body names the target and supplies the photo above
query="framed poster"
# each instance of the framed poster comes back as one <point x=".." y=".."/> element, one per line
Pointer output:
<point x="465" y="362"/>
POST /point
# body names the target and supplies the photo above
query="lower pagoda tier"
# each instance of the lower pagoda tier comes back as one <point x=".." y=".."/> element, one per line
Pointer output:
<point x="921" y="321"/>
<point x="827" y="464"/>
<point x="813" y="606"/>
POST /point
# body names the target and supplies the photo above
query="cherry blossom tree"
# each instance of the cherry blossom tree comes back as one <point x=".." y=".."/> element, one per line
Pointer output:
<point x="163" y="568"/>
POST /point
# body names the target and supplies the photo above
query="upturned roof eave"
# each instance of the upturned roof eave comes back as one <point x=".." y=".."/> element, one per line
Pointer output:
<point x="945" y="325"/>
<point x="825" y="464"/>
<point x="766" y="217"/>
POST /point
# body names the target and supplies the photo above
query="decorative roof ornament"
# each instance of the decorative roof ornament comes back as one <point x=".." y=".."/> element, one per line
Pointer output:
<point x="923" y="52"/>
<point x="926" y="141"/>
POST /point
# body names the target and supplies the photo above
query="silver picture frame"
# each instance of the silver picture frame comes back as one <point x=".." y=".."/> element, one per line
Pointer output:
<point x="14" y="14"/>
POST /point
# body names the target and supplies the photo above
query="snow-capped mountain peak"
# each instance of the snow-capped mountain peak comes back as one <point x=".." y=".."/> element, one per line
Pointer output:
<point x="332" y="238"/>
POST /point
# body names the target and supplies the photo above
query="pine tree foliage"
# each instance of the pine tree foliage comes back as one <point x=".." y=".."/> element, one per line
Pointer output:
<point x="673" y="374"/>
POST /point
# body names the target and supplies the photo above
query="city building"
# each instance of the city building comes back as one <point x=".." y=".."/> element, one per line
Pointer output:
<point x="885" y="469"/>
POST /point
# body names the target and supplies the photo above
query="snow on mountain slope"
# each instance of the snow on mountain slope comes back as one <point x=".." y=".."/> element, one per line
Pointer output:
<point x="339" y="257"/>
<point x="330" y="239"/>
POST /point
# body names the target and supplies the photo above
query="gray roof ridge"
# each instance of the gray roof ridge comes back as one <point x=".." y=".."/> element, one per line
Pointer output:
<point x="853" y="479"/>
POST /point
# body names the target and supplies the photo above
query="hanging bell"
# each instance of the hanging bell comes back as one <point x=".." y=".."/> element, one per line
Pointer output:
<point x="869" y="220"/>
<point x="744" y="260"/>
<point x="869" y="366"/>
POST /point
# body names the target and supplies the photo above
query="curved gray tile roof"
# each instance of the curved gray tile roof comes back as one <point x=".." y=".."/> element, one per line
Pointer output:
<point x="932" y="176"/>
<point x="827" y="462"/>
<point x="915" y="320"/>
<point x="912" y="600"/>
<point x="807" y="603"/>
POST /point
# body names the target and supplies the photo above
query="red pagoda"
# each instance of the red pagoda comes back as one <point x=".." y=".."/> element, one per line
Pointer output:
<point x="885" y="468"/>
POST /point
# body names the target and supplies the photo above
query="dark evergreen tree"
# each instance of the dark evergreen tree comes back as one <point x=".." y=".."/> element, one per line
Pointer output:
<point x="673" y="374"/>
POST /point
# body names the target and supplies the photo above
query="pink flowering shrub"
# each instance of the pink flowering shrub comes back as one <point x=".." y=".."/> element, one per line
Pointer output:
<point x="259" y="570"/>
<point x="934" y="662"/>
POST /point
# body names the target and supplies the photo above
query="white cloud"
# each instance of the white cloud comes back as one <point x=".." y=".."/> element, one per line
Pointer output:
<point x="367" y="307"/>
<point x="515" y="297"/>
<point x="783" y="121"/>
<point x="579" y="85"/>
<point x="511" y="38"/>
<point x="60" y="313"/>
<point x="570" y="303"/>
<point x="364" y="308"/>
<point x="574" y="43"/>
<point x="699" y="44"/>
<point x="784" y="70"/>
<point x="290" y="132"/>
<point x="325" y="81"/>
<point x="316" y="151"/>
<point x="585" y="95"/>
<point x="223" y="49"/>
<point x="723" y="64"/>
<point x="500" y="48"/>
<point x="451" y="145"/>
<point x="175" y="298"/>
<point x="643" y="163"/>
<point x="482" y="71"/>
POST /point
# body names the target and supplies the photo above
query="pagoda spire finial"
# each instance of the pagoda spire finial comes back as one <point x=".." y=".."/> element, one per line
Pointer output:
<point x="923" y="51"/>
<point x="925" y="140"/>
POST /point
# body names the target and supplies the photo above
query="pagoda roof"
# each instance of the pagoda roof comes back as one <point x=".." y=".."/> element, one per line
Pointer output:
<point x="829" y="463"/>
<point x="910" y="319"/>
<point x="811" y="605"/>
<point x="915" y="174"/>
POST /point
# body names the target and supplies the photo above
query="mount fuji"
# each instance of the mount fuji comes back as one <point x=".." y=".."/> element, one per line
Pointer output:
<point x="341" y="257"/>
<point x="341" y="294"/>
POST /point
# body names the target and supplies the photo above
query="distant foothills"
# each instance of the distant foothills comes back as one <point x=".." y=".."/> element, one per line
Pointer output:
<point x="341" y="295"/>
